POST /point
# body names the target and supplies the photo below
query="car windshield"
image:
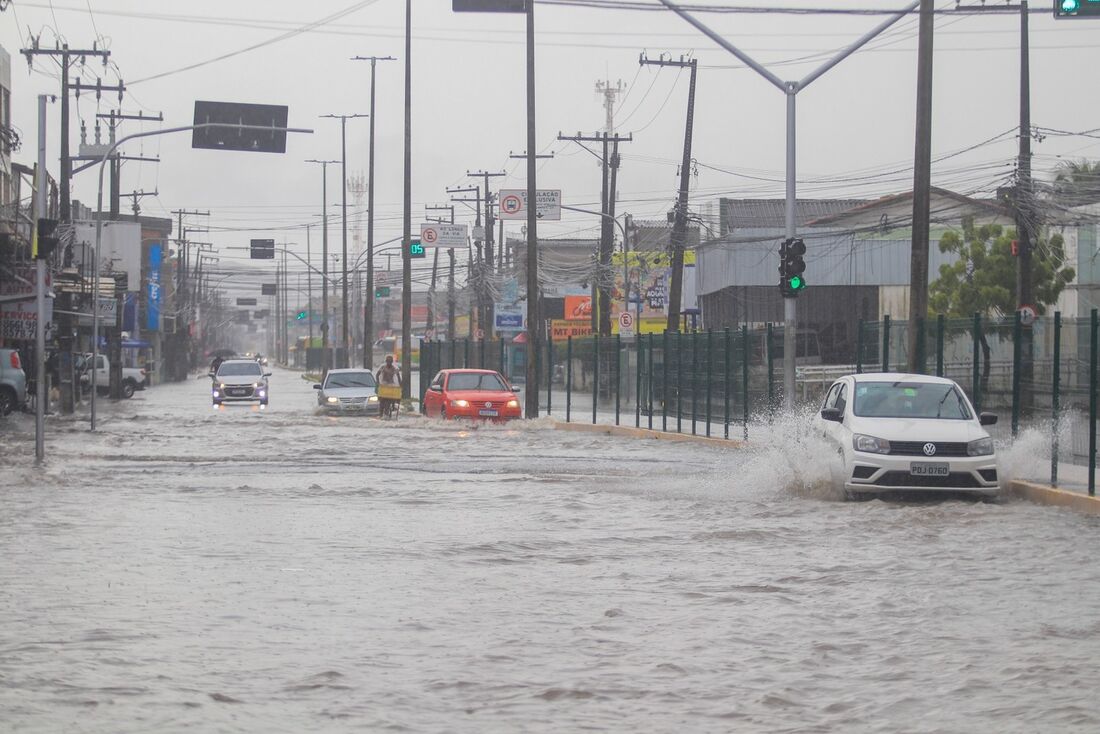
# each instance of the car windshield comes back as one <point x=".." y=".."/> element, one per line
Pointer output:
<point x="239" y="369"/>
<point x="910" y="400"/>
<point x="349" y="379"/>
<point x="476" y="381"/>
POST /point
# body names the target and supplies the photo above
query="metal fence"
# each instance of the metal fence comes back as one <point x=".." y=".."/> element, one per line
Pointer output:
<point x="717" y="383"/>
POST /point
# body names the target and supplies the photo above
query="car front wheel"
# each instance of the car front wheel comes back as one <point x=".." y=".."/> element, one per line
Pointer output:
<point x="128" y="389"/>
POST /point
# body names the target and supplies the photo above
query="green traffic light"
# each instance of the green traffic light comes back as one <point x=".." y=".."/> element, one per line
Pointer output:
<point x="301" y="315"/>
<point x="796" y="283"/>
<point x="1070" y="6"/>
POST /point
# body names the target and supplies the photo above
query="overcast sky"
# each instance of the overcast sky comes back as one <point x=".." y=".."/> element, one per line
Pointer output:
<point x="855" y="124"/>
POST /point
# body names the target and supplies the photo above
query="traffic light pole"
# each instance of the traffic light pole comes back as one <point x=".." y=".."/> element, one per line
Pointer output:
<point x="791" y="90"/>
<point x="40" y="197"/>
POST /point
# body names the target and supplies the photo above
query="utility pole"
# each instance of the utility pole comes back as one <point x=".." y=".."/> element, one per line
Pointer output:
<point x="601" y="306"/>
<point x="66" y="55"/>
<point x="435" y="261"/>
<point x="1026" y="229"/>
<point x="534" y="315"/>
<point x="115" y="118"/>
<point x="503" y="255"/>
<point x="473" y="279"/>
<point x="368" y="309"/>
<point x="679" y="224"/>
<point x="344" y="231"/>
<point x="485" y="318"/>
<point x="406" y="217"/>
<point x="309" y="293"/>
<point x="922" y="183"/>
<point x="326" y="361"/>
<point x="181" y="337"/>
<point x="136" y="196"/>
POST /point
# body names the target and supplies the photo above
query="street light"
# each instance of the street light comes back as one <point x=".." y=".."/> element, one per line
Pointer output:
<point x="325" y="365"/>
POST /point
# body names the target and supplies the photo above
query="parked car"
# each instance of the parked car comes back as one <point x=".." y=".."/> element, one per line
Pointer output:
<point x="239" y="381"/>
<point x="133" y="378"/>
<point x="902" y="432"/>
<point x="465" y="393"/>
<point x="13" y="382"/>
<point x="348" y="391"/>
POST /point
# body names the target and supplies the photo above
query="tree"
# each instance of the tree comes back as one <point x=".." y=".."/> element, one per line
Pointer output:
<point x="1076" y="183"/>
<point x="983" y="277"/>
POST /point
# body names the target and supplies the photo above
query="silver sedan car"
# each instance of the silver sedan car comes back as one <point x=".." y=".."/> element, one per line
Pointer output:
<point x="348" y="391"/>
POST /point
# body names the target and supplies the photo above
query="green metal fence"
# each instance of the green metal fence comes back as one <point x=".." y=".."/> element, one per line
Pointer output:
<point x="717" y="383"/>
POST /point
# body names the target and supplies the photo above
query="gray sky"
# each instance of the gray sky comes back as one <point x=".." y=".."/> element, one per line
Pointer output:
<point x="855" y="124"/>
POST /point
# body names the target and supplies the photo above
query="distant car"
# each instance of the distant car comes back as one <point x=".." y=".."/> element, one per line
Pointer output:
<point x="901" y="432"/>
<point x="13" y="382"/>
<point x="240" y="381"/>
<point x="465" y="393"/>
<point x="348" y="391"/>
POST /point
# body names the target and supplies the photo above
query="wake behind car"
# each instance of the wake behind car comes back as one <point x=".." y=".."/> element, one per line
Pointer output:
<point x="239" y="381"/>
<point x="465" y="393"/>
<point x="902" y="432"/>
<point x="348" y="391"/>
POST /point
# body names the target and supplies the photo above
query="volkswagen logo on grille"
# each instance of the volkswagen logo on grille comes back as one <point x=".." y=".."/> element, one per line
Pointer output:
<point x="488" y="405"/>
<point x="929" y="449"/>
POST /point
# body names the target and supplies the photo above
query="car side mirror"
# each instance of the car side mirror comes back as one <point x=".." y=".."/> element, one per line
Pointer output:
<point x="210" y="375"/>
<point x="435" y="388"/>
<point x="317" y="386"/>
<point x="515" y="389"/>
<point x="832" y="414"/>
<point x="988" y="419"/>
<point x="267" y="374"/>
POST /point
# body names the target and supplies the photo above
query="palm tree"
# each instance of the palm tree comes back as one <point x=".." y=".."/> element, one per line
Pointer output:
<point x="1077" y="183"/>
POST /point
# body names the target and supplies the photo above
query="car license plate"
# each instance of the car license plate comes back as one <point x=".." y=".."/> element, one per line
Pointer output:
<point x="489" y="413"/>
<point x="237" y="393"/>
<point x="929" y="470"/>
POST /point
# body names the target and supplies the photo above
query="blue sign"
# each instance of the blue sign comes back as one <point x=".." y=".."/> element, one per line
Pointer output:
<point x="129" y="311"/>
<point x="508" y="317"/>
<point x="152" y="300"/>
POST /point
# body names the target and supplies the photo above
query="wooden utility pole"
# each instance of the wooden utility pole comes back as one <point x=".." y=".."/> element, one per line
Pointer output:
<point x="922" y="182"/>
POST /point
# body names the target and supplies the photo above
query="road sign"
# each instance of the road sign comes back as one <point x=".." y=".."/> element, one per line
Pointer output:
<point x="513" y="204"/>
<point x="1077" y="8"/>
<point x="509" y="316"/>
<point x="233" y="113"/>
<point x="1028" y="315"/>
<point x="443" y="235"/>
<point x="489" y="6"/>
<point x="246" y="301"/>
<point x="262" y="249"/>
<point x="268" y="289"/>
<point x="626" y="324"/>
<point x="416" y="249"/>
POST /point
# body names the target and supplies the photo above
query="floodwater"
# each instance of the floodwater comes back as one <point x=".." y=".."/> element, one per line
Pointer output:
<point x="186" y="569"/>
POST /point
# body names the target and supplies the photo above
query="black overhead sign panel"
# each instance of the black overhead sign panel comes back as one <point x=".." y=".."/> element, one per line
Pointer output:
<point x="230" y="138"/>
<point x="489" y="6"/>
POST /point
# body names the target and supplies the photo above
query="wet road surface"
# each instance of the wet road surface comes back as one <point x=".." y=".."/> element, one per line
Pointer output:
<point x="200" y="570"/>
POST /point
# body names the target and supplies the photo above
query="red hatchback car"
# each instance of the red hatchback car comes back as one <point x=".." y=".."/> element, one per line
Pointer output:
<point x="478" y="394"/>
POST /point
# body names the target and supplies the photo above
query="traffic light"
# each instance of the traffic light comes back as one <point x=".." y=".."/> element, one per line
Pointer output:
<point x="45" y="238"/>
<point x="382" y="291"/>
<point x="1077" y="8"/>
<point x="416" y="249"/>
<point x="300" y="316"/>
<point x="791" y="267"/>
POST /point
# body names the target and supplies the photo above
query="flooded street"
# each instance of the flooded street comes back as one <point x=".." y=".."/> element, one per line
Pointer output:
<point x="200" y="570"/>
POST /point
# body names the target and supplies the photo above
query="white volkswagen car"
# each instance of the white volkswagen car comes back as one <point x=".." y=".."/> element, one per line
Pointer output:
<point x="899" y="432"/>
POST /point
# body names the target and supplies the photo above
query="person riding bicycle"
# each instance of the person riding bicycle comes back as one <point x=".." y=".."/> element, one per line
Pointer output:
<point x="388" y="375"/>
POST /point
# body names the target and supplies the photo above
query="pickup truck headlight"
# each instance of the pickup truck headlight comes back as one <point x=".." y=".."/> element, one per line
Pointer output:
<point x="980" y="447"/>
<point x="332" y="399"/>
<point x="870" y="444"/>
<point x="372" y="399"/>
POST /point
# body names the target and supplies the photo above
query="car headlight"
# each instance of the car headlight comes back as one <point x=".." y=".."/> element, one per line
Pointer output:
<point x="217" y="392"/>
<point x="332" y="399"/>
<point x="513" y="403"/>
<point x="460" y="403"/>
<point x="222" y="386"/>
<point x="255" y="384"/>
<point x="980" y="447"/>
<point x="372" y="399"/>
<point x="870" y="444"/>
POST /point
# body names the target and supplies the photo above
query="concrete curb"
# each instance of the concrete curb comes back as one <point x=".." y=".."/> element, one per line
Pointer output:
<point x="1042" y="494"/>
<point x="632" y="432"/>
